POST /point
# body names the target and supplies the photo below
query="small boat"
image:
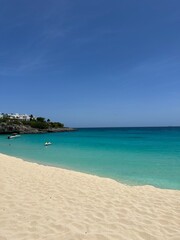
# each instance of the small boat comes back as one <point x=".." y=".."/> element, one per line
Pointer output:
<point x="14" y="135"/>
<point x="47" y="143"/>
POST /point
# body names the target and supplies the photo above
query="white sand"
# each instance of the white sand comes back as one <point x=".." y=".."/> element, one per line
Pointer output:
<point x="41" y="202"/>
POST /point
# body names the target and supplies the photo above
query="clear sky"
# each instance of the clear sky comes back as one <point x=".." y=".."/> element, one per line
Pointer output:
<point x="91" y="63"/>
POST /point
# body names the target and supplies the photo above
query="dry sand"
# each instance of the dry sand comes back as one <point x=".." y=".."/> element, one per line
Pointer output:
<point x="41" y="202"/>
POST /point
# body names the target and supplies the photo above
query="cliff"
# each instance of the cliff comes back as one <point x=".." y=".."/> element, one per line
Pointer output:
<point x="8" y="128"/>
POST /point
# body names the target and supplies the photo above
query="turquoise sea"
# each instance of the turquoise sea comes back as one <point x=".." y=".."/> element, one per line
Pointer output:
<point x="135" y="156"/>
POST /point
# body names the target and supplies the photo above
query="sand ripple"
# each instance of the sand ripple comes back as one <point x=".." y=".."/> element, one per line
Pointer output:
<point x="39" y="202"/>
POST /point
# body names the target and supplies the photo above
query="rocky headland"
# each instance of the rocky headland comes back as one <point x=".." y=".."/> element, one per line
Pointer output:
<point x="9" y="126"/>
<point x="22" y="129"/>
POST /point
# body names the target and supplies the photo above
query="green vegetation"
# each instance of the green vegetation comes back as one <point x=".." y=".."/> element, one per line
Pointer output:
<point x="40" y="119"/>
<point x="39" y="122"/>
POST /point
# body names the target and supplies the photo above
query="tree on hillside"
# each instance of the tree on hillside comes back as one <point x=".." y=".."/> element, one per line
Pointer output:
<point x="40" y="119"/>
<point x="31" y="117"/>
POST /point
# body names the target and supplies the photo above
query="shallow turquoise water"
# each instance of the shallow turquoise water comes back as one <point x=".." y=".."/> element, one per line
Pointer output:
<point x="135" y="156"/>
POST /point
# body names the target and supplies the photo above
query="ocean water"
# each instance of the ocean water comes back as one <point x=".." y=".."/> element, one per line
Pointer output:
<point x="135" y="156"/>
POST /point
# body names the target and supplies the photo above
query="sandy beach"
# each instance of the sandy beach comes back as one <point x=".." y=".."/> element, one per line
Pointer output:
<point x="42" y="202"/>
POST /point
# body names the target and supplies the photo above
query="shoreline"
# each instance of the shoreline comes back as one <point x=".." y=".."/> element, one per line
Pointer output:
<point x="129" y="157"/>
<point x="38" y="131"/>
<point x="46" y="202"/>
<point x="46" y="164"/>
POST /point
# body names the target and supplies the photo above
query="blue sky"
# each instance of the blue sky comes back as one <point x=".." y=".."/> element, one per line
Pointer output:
<point x="91" y="63"/>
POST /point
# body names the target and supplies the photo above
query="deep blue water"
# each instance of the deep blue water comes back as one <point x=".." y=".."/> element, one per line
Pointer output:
<point x="137" y="156"/>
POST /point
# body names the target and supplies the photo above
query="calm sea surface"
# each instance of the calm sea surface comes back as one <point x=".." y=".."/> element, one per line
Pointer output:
<point x="136" y="156"/>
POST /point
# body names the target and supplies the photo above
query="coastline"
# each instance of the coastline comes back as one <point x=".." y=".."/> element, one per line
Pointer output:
<point x="46" y="202"/>
<point x="29" y="130"/>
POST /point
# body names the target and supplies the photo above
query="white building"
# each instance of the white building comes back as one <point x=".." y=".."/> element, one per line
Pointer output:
<point x="18" y="116"/>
